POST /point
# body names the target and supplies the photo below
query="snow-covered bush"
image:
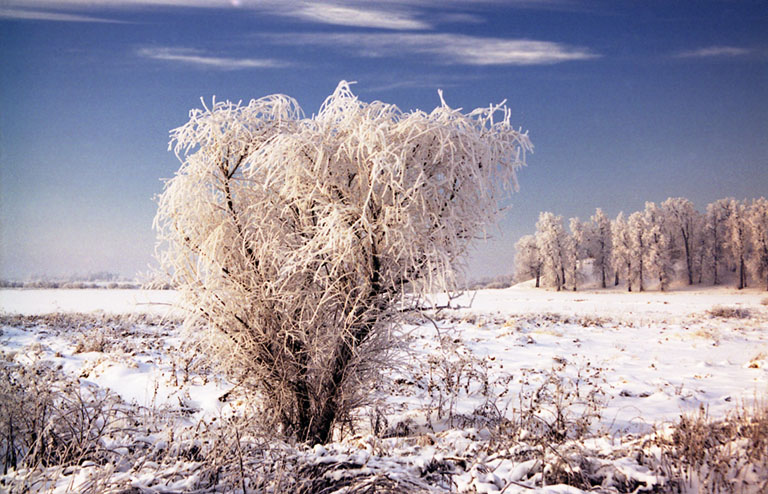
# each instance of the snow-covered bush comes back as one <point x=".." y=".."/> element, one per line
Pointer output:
<point x="292" y="239"/>
<point x="46" y="421"/>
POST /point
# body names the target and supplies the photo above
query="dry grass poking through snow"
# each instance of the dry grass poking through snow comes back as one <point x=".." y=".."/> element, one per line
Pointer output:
<point x="60" y="433"/>
<point x="730" y="455"/>
<point x="729" y="312"/>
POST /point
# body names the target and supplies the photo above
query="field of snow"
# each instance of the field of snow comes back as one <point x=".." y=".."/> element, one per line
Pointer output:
<point x="592" y="371"/>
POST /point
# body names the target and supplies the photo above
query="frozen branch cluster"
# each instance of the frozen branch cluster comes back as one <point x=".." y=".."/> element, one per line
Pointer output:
<point x="294" y="238"/>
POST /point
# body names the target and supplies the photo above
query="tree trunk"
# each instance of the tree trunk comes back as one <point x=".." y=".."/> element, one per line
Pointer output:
<point x="742" y="277"/>
<point x="688" y="260"/>
<point x="320" y="428"/>
<point x="562" y="273"/>
<point x="602" y="272"/>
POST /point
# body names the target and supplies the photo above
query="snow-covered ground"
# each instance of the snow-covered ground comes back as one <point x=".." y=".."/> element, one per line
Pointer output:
<point x="659" y="353"/>
<point x="620" y="364"/>
<point x="49" y="301"/>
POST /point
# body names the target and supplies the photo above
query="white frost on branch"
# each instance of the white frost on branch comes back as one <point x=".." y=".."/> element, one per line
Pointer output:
<point x="294" y="237"/>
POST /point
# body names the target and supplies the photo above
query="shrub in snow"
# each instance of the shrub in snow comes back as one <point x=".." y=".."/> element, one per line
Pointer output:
<point x="293" y="238"/>
<point x="729" y="312"/>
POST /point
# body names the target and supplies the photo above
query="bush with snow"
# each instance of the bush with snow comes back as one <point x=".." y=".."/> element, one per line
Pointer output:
<point x="293" y="238"/>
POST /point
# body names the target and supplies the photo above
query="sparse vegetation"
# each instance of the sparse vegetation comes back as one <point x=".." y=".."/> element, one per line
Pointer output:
<point x="49" y="420"/>
<point x="729" y="312"/>
<point x="471" y="424"/>
<point x="729" y="455"/>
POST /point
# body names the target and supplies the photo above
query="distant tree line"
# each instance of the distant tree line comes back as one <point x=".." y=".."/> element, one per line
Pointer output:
<point x="101" y="279"/>
<point x="661" y="244"/>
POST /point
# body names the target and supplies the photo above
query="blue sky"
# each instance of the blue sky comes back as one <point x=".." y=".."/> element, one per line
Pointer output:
<point x="625" y="102"/>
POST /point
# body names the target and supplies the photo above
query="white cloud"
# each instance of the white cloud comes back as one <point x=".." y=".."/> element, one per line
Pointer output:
<point x="328" y="13"/>
<point x="430" y="82"/>
<point x="448" y="48"/>
<point x="714" y="51"/>
<point x="200" y="59"/>
<point x="40" y="15"/>
<point x="334" y="12"/>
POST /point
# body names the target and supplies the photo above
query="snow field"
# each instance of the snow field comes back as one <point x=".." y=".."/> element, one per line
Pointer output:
<point x="613" y="366"/>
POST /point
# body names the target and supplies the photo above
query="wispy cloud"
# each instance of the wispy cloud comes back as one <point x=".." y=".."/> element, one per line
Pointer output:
<point x="714" y="52"/>
<point x="42" y="15"/>
<point x="446" y="48"/>
<point x="430" y="82"/>
<point x="396" y="16"/>
<point x="189" y="56"/>
<point x="329" y="13"/>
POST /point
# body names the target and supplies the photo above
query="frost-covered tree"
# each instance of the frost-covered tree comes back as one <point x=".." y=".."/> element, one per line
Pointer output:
<point x="683" y="220"/>
<point x="700" y="248"/>
<point x="600" y="245"/>
<point x="551" y="240"/>
<point x="292" y="239"/>
<point x="658" y="254"/>
<point x="738" y="238"/>
<point x="637" y="228"/>
<point x="758" y="229"/>
<point x="622" y="249"/>
<point x="528" y="262"/>
<point x="576" y="249"/>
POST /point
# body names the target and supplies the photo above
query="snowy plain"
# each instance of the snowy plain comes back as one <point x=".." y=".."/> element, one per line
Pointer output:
<point x="641" y="359"/>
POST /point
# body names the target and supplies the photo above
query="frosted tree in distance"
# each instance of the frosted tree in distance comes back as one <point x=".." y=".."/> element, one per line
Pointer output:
<point x="622" y="249"/>
<point x="637" y="226"/>
<point x="293" y="239"/>
<point x="658" y="253"/>
<point x="682" y="222"/>
<point x="738" y="239"/>
<point x="528" y="262"/>
<point x="551" y="240"/>
<point x="576" y="249"/>
<point x="718" y="214"/>
<point x="758" y="227"/>
<point x="600" y="245"/>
